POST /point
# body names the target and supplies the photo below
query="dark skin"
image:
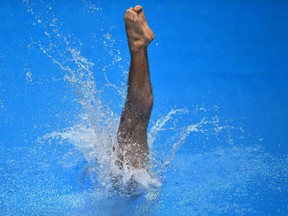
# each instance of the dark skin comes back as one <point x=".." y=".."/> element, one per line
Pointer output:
<point x="132" y="149"/>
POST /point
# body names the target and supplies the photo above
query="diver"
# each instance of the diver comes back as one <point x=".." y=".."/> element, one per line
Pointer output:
<point x="132" y="147"/>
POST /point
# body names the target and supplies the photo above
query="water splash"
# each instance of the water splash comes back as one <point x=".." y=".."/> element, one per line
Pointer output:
<point x="225" y="180"/>
<point x="95" y="133"/>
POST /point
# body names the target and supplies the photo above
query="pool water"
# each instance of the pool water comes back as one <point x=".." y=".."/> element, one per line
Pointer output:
<point x="219" y="128"/>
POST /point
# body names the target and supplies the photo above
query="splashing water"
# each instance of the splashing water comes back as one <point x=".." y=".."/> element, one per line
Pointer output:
<point x="227" y="173"/>
<point x="94" y="134"/>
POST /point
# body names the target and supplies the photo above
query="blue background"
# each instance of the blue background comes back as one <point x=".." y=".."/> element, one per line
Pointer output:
<point x="228" y="58"/>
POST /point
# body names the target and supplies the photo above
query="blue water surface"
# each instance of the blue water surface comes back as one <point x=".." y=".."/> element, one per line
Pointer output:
<point x="222" y="63"/>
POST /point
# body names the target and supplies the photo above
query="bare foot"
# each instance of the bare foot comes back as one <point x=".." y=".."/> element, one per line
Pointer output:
<point x="138" y="32"/>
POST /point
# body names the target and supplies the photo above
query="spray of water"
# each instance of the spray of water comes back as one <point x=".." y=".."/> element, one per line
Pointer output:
<point x="95" y="133"/>
<point x="40" y="180"/>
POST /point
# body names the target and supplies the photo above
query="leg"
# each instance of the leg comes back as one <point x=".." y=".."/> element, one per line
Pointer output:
<point x="132" y="148"/>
